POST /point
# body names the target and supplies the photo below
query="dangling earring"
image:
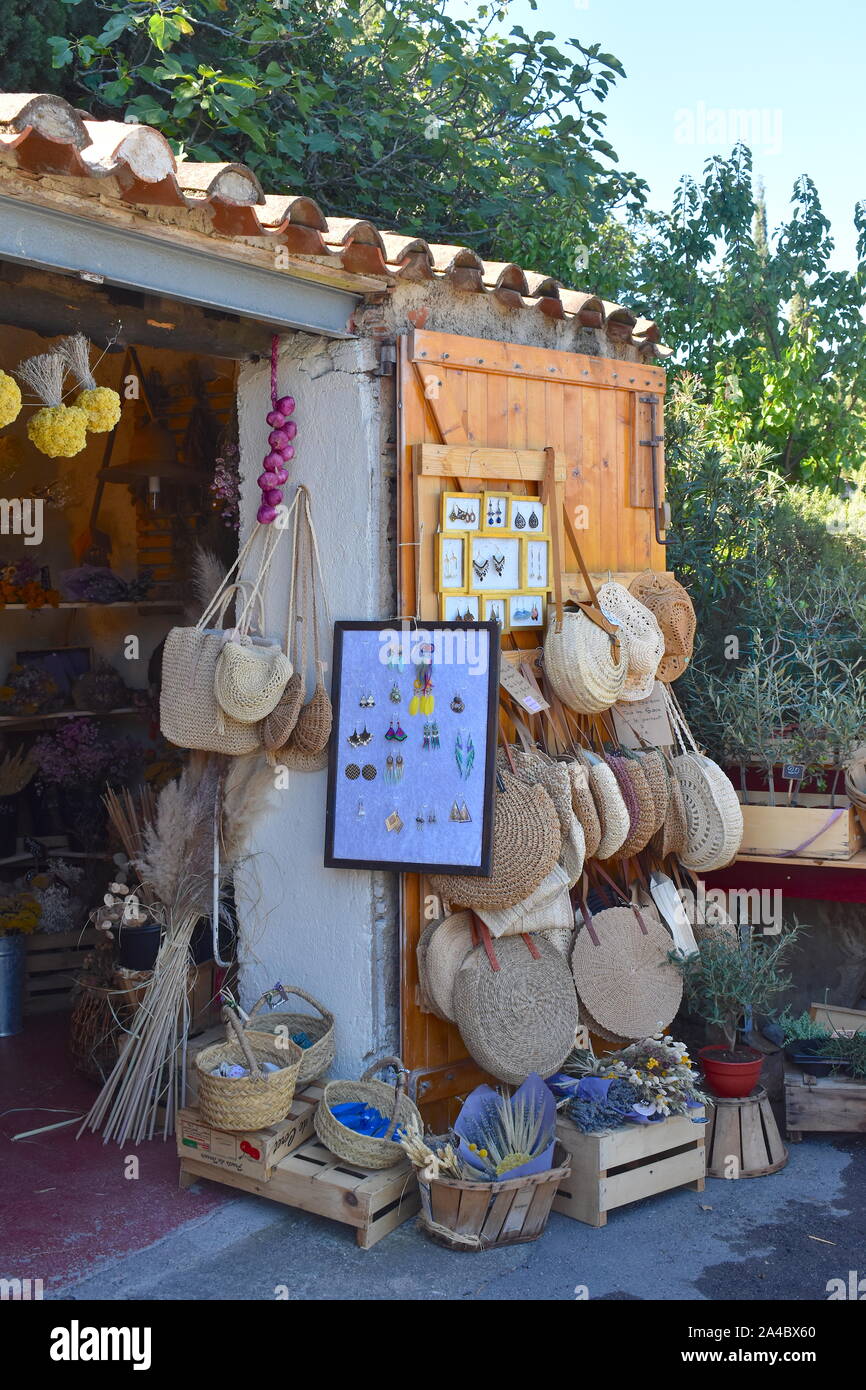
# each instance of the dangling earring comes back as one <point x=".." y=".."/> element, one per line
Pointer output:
<point x="390" y="734"/>
<point x="426" y="742"/>
<point x="389" y="768"/>
<point x="434" y="735"/>
<point x="457" y="704"/>
<point x="399" y="768"/>
<point x="395" y="697"/>
<point x="533" y="520"/>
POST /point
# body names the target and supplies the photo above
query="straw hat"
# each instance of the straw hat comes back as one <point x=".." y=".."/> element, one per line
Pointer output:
<point x="447" y="947"/>
<point x="584" y="807"/>
<point x="520" y="1018"/>
<point x="526" y="844"/>
<point x="641" y="804"/>
<point x="547" y="909"/>
<point x="613" y="814"/>
<point x="646" y="643"/>
<point x="675" y="614"/>
<point x="626" y="982"/>
<point x="581" y="663"/>
<point x="714" y="817"/>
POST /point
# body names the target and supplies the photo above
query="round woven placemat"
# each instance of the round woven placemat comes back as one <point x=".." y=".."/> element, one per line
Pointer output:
<point x="526" y="844"/>
<point x="520" y="1018"/>
<point x="447" y="947"/>
<point x="627" y="982"/>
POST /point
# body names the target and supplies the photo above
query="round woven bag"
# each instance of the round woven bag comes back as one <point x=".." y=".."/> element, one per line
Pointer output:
<point x="672" y="608"/>
<point x="642" y="823"/>
<point x="315" y="1059"/>
<point x="426" y="999"/>
<point x="447" y="947"/>
<point x="613" y="814"/>
<point x="250" y="678"/>
<point x="520" y="1018"/>
<point x="526" y="845"/>
<point x="547" y="909"/>
<point x="646" y="643"/>
<point x="248" y="1102"/>
<point x="313" y="725"/>
<point x="276" y="727"/>
<point x="714" y="817"/>
<point x="653" y="767"/>
<point x="581" y="664"/>
<point x="626" y="982"/>
<point x="363" y="1149"/>
<point x="670" y="838"/>
<point x="584" y="807"/>
<point x="553" y="776"/>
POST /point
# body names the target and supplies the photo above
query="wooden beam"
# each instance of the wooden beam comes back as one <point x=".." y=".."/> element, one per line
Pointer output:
<point x="541" y="364"/>
<point x="466" y="461"/>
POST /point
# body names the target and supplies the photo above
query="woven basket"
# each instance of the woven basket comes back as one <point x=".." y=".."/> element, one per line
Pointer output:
<point x="315" y="1060"/>
<point x="613" y="814"/>
<point x="584" y="807"/>
<point x="642" y="823"/>
<point x="313" y="726"/>
<point x="547" y="909"/>
<point x="554" y="777"/>
<point x="581" y="664"/>
<point x="626" y="982"/>
<point x="248" y="1102"/>
<point x="249" y="679"/>
<point x="388" y="1100"/>
<point x="447" y="947"/>
<point x="646" y="643"/>
<point x="470" y="1215"/>
<point x="189" y="715"/>
<point x="426" y="1002"/>
<point x="653" y="767"/>
<point x="520" y="1018"/>
<point x="671" y="837"/>
<point x="276" y="726"/>
<point x="669" y="602"/>
<point x="714" y="817"/>
<point x="526" y="845"/>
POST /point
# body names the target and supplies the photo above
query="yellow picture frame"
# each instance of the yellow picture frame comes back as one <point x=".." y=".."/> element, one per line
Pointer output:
<point x="494" y="607"/>
<point x="452" y="562"/>
<point x="520" y="509"/>
<point x="535" y="606"/>
<point x="534" y="578"/>
<point x="455" y="505"/>
<point x="454" y="607"/>
<point x="500" y="504"/>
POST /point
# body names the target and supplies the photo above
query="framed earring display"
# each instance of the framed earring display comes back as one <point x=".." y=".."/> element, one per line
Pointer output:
<point x="460" y="608"/>
<point x="451" y="559"/>
<point x="418" y="796"/>
<point x="494" y="513"/>
<point x="494" y="563"/>
<point x="461" y="511"/>
<point x="527" y="516"/>
<point x="536" y="565"/>
<point x="495" y="610"/>
<point x="526" y="610"/>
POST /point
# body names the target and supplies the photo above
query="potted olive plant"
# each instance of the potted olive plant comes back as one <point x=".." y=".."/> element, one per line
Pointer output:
<point x="727" y="980"/>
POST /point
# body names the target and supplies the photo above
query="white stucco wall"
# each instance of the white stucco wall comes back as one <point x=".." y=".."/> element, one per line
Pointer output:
<point x="332" y="931"/>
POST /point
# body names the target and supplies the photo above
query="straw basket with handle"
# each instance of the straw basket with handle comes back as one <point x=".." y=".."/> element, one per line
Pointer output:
<point x="363" y="1149"/>
<point x="315" y="1060"/>
<point x="246" y="1102"/>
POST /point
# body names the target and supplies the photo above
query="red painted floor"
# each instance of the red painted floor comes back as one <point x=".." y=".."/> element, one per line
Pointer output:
<point x="66" y="1206"/>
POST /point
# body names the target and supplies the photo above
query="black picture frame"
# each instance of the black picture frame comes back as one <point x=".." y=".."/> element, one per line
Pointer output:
<point x="424" y="865"/>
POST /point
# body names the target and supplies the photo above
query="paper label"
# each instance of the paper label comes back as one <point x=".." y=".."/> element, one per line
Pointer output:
<point x="640" y="722"/>
<point x="520" y="689"/>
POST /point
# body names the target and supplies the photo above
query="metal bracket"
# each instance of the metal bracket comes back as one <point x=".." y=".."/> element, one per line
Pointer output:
<point x="387" y="360"/>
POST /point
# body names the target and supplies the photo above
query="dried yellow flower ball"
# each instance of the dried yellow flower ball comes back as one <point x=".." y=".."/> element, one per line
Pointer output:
<point x="10" y="399"/>
<point x="58" y="430"/>
<point x="101" y="405"/>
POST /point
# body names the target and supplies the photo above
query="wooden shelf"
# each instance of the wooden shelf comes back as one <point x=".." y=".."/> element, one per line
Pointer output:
<point x="17" y="721"/>
<point x="857" y="861"/>
<point x="59" y="852"/>
<point x="167" y="604"/>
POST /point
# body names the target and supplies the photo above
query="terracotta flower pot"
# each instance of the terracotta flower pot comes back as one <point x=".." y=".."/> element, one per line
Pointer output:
<point x="730" y="1079"/>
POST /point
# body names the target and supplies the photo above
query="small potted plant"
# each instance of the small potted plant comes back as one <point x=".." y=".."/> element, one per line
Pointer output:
<point x="724" y="982"/>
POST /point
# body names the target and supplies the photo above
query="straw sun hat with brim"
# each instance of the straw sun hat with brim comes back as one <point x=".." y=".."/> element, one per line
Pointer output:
<point x="626" y="982"/>
<point x="526" y="844"/>
<point x="666" y="598"/>
<point x="646" y="643"/>
<point x="520" y="1018"/>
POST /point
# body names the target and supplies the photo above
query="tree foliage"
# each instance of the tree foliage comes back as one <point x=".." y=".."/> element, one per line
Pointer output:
<point x="389" y="109"/>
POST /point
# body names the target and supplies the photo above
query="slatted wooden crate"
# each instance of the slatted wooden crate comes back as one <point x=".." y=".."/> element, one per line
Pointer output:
<point x="743" y="1139"/>
<point x="832" y="1104"/>
<point x="618" y="1166"/>
<point x="814" y="830"/>
<point x="315" y="1180"/>
<point x="484" y="1215"/>
<point x="51" y="967"/>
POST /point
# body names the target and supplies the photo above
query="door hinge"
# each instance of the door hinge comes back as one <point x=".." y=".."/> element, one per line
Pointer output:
<point x="387" y="359"/>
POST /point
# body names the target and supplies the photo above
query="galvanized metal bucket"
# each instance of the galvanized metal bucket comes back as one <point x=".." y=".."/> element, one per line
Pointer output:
<point x="11" y="984"/>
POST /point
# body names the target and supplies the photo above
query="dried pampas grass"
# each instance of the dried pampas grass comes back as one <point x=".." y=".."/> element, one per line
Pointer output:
<point x="208" y="574"/>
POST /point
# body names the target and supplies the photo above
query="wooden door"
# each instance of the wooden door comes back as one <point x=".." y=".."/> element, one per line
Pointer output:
<point x="595" y="413"/>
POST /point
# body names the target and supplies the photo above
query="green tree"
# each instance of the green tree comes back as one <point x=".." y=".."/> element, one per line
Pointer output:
<point x="390" y="109"/>
<point x="23" y="45"/>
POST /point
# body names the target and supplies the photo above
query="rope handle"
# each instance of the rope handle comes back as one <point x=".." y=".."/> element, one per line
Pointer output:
<point x="584" y="907"/>
<point x="626" y="900"/>
<point x="233" y="1026"/>
<point x="399" y="1088"/>
<point x="300" y="993"/>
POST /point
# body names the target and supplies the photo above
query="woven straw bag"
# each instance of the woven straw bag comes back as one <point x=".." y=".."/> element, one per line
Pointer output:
<point x="653" y="767"/>
<point x="630" y="776"/>
<point x="622" y="973"/>
<point x="855" y="784"/>
<point x="547" y="909"/>
<point x="526" y="844"/>
<point x="613" y="814"/>
<point x="316" y="1059"/>
<point x="447" y="947"/>
<point x="189" y="715"/>
<point x="714" y="817"/>
<point x="248" y="1102"/>
<point x="670" y="604"/>
<point x="312" y="728"/>
<point x="646" y="643"/>
<point x="425" y="1000"/>
<point x="363" y="1149"/>
<point x="249" y="678"/>
<point x="584" y="807"/>
<point x="585" y="653"/>
<point x="534" y="766"/>
<point x="670" y="838"/>
<point x="520" y="1017"/>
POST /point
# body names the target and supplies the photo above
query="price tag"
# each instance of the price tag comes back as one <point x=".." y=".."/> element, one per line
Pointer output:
<point x="794" y="772"/>
<point x="640" y="722"/>
<point x="521" y="690"/>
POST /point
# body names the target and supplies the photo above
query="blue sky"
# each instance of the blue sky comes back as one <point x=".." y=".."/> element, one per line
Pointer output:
<point x="796" y="67"/>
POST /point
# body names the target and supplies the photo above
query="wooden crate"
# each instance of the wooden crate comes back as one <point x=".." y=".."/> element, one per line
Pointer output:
<point x="772" y="830"/>
<point x="743" y="1139"/>
<point x="315" y="1180"/>
<point x="825" y="1103"/>
<point x="618" y="1166"/>
<point x="52" y="963"/>
<point x="838" y="1019"/>
<point x="256" y="1153"/>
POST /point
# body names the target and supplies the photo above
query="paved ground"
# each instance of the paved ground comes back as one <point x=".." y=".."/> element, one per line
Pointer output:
<point x="737" y="1240"/>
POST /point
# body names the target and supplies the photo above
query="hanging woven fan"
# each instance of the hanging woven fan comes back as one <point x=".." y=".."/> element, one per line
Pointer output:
<point x="624" y="978"/>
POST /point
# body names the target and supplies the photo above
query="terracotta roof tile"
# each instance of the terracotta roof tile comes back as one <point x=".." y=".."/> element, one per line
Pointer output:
<point x="43" y="134"/>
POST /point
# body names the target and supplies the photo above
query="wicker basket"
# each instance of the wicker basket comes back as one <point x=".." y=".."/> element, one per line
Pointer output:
<point x="363" y="1149"/>
<point x="315" y="1060"/>
<point x="246" y="1102"/>
<point x="482" y="1215"/>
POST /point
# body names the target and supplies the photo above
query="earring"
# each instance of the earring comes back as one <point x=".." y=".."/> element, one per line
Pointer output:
<point x="426" y="741"/>
<point x="399" y="735"/>
<point x="454" y="814"/>
<point x="389" y="768"/>
<point x="365" y="737"/>
<point x="354" y="739"/>
<point x="533" y="520"/>
<point x="464" y="813"/>
<point x="498" y="564"/>
<point x="353" y="771"/>
<point x="431" y="817"/>
<point x="361" y="811"/>
<point x="395" y="696"/>
<point x="368" y="772"/>
<point x="519" y="520"/>
<point x="390" y="734"/>
<point x="434" y="735"/>
<point x="399" y="768"/>
<point x="419" y="820"/>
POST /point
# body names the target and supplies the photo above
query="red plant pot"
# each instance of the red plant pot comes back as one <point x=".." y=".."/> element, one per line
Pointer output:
<point x="730" y="1079"/>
